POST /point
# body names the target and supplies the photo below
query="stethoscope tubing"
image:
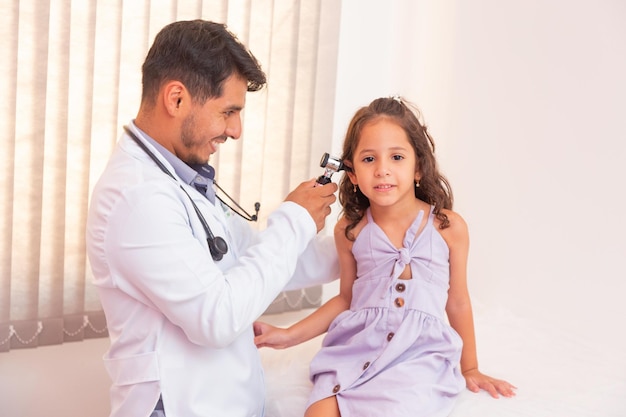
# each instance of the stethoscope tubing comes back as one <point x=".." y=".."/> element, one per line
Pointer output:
<point x="217" y="245"/>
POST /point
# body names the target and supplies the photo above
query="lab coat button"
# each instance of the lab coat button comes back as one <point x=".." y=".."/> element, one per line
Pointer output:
<point x="399" y="302"/>
<point x="390" y="336"/>
<point x="366" y="365"/>
<point x="400" y="287"/>
<point x="336" y="388"/>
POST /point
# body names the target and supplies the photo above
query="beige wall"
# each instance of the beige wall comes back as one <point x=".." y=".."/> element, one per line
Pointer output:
<point x="66" y="380"/>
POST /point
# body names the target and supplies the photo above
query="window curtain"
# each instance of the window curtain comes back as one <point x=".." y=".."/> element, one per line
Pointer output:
<point x="71" y="78"/>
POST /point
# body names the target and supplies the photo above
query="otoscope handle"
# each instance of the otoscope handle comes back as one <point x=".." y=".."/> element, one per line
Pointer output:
<point x="322" y="180"/>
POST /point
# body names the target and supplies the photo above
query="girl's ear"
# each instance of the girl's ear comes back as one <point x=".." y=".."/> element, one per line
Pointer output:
<point x="349" y="171"/>
<point x="352" y="177"/>
<point x="418" y="175"/>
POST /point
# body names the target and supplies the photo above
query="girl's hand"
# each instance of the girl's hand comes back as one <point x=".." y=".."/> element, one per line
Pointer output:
<point x="266" y="335"/>
<point x="476" y="380"/>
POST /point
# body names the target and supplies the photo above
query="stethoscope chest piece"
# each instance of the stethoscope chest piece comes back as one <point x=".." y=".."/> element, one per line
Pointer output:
<point x="217" y="247"/>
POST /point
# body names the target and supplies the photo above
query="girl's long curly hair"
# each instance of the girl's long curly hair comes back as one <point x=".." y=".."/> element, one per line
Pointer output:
<point x="433" y="189"/>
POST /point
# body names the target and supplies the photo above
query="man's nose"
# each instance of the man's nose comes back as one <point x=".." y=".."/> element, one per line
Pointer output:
<point x="233" y="127"/>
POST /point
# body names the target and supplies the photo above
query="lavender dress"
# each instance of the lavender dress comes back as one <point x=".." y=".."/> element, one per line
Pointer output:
<point x="393" y="353"/>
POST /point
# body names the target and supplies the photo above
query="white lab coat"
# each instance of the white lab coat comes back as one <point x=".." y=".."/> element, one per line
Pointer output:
<point x="180" y="324"/>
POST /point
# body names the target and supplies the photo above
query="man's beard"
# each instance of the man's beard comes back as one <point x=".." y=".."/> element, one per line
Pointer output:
<point x="187" y="138"/>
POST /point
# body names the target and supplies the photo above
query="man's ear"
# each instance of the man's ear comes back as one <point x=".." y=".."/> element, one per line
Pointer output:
<point x="175" y="97"/>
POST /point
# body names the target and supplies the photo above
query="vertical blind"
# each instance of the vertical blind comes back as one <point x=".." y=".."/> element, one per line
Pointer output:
<point x="71" y="77"/>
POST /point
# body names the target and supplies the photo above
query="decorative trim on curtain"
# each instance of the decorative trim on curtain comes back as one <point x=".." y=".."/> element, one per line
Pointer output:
<point x="296" y="300"/>
<point x="71" y="77"/>
<point x="52" y="331"/>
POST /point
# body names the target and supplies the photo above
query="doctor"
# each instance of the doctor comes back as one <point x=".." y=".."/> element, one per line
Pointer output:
<point x="182" y="278"/>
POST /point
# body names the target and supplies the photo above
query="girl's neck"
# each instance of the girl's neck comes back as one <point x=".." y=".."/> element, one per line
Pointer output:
<point x="398" y="212"/>
<point x="396" y="219"/>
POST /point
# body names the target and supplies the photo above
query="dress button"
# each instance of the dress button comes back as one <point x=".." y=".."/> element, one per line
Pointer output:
<point x="390" y="336"/>
<point x="366" y="365"/>
<point x="336" y="388"/>
<point x="399" y="302"/>
<point x="400" y="287"/>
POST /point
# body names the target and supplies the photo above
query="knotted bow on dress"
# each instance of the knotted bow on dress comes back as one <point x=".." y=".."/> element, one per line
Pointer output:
<point x="387" y="255"/>
<point x="403" y="255"/>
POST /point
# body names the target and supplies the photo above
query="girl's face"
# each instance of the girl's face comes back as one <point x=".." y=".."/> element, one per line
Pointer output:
<point x="385" y="167"/>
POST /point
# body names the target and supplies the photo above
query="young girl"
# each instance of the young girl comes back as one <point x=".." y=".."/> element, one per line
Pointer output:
<point x="403" y="255"/>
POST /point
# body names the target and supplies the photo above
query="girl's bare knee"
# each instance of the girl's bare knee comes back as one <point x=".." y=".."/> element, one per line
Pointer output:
<point x="324" y="408"/>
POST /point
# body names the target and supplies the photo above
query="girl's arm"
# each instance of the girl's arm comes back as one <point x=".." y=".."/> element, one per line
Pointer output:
<point x="459" y="310"/>
<point x="318" y="321"/>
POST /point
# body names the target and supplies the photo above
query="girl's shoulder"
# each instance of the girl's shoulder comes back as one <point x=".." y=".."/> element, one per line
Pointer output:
<point x="343" y="222"/>
<point x="456" y="230"/>
<point x="454" y="217"/>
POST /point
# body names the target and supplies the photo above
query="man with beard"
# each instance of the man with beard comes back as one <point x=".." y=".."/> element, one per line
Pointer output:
<point x="180" y="277"/>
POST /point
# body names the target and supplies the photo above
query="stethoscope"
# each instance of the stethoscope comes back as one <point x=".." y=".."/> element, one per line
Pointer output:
<point x="217" y="245"/>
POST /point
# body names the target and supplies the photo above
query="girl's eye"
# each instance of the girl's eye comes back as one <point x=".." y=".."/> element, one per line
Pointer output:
<point x="368" y="159"/>
<point x="398" y="157"/>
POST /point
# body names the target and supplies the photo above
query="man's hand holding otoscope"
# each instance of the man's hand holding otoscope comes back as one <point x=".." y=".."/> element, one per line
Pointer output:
<point x="316" y="196"/>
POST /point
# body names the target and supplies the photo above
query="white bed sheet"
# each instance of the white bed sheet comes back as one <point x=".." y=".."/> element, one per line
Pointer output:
<point x="557" y="374"/>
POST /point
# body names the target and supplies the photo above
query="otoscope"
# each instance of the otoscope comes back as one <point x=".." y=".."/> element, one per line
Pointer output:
<point x="331" y="165"/>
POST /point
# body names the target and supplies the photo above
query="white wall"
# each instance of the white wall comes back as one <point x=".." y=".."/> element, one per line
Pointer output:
<point x="527" y="102"/>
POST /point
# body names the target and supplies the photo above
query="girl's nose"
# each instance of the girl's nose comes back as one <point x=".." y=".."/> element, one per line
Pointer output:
<point x="381" y="170"/>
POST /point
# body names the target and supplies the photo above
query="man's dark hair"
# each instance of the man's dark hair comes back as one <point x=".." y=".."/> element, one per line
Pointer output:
<point x="201" y="55"/>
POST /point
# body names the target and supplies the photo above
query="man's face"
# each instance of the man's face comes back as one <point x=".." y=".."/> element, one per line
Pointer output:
<point x="210" y="124"/>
